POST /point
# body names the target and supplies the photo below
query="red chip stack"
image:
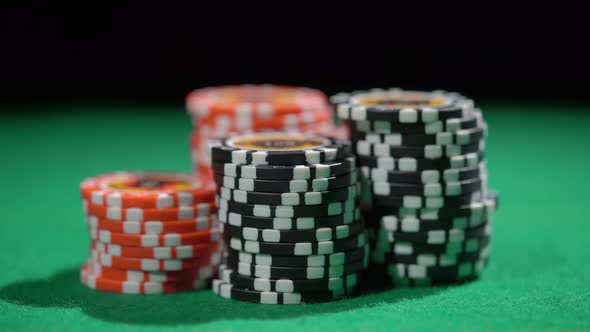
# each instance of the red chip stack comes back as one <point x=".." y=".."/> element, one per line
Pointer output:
<point x="151" y="233"/>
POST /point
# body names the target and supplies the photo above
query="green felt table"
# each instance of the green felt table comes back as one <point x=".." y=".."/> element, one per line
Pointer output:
<point x="539" y="277"/>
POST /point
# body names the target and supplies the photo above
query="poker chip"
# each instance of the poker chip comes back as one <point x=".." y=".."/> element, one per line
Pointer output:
<point x="429" y="151"/>
<point x="338" y="258"/>
<point x="385" y="249"/>
<point x="474" y="209"/>
<point x="335" y="285"/>
<point x="413" y="224"/>
<point x="151" y="232"/>
<point x="300" y="198"/>
<point x="298" y="172"/>
<point x="438" y="259"/>
<point x="146" y="264"/>
<point x="139" y="214"/>
<point x="230" y="291"/>
<point x="429" y="190"/>
<point x="299" y="223"/>
<point x="459" y="137"/>
<point x="256" y="122"/>
<point x="462" y="269"/>
<point x="171" y="252"/>
<point x="299" y="273"/>
<point x="401" y="106"/>
<point x="274" y="235"/>
<point x="411" y="164"/>
<point x="153" y="227"/>
<point x="471" y="120"/>
<point x="424" y="183"/>
<point x="147" y="190"/>
<point x="154" y="240"/>
<point x="420" y="201"/>
<point x="297" y="186"/>
<point x="297" y="248"/>
<point x="279" y="148"/>
<point x="288" y="211"/>
<point x="263" y="100"/>
<point x="423" y="177"/>
<point x="439" y="236"/>
<point x="138" y="287"/>
<point x="110" y="273"/>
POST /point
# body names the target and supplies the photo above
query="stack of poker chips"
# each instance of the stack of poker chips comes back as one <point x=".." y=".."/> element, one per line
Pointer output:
<point x="421" y="159"/>
<point x="223" y="111"/>
<point x="151" y="233"/>
<point x="289" y="218"/>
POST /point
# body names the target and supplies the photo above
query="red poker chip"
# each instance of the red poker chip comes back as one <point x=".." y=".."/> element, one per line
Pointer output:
<point x="150" y="190"/>
<point x="262" y="100"/>
<point x="153" y="227"/>
<point x="285" y="122"/>
<point x="152" y="265"/>
<point x="139" y="214"/>
<point x="91" y="280"/>
<point x="173" y="252"/>
<point x="154" y="240"/>
<point x="200" y="272"/>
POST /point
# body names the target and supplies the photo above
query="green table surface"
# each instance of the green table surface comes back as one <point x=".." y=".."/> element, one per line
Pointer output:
<point x="539" y="277"/>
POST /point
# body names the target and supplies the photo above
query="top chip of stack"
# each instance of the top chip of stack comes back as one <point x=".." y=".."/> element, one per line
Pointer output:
<point x="289" y="217"/>
<point x="279" y="149"/>
<point x="421" y="160"/>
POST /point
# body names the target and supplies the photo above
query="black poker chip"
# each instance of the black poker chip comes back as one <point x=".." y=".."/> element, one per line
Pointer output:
<point x="287" y="211"/>
<point x="312" y="235"/>
<point x="436" y="259"/>
<point x="475" y="209"/>
<point x="470" y="121"/>
<point x="421" y="201"/>
<point x="465" y="268"/>
<point x="413" y="224"/>
<point x="338" y="258"/>
<point x="459" y="137"/>
<point x="280" y="186"/>
<point x="432" y="280"/>
<point x="408" y="248"/>
<point x="429" y="151"/>
<point x="423" y="177"/>
<point x="302" y="198"/>
<point x="411" y="164"/>
<point x="297" y="223"/>
<point x="297" y="172"/>
<point x="279" y="148"/>
<point x="336" y="285"/>
<point x="298" y="248"/>
<point x="440" y="236"/>
<point x="401" y="106"/>
<point x="298" y="273"/>
<point x="449" y="189"/>
<point x="231" y="291"/>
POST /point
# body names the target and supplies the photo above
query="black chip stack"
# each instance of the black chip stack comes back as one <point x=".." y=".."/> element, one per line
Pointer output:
<point x="421" y="160"/>
<point x="289" y="216"/>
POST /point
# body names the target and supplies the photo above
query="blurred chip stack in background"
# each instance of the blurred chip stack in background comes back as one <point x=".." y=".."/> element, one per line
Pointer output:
<point x="219" y="112"/>
<point x="425" y="191"/>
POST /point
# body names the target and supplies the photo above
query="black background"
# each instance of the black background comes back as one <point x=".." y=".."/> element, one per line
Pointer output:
<point x="160" y="52"/>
